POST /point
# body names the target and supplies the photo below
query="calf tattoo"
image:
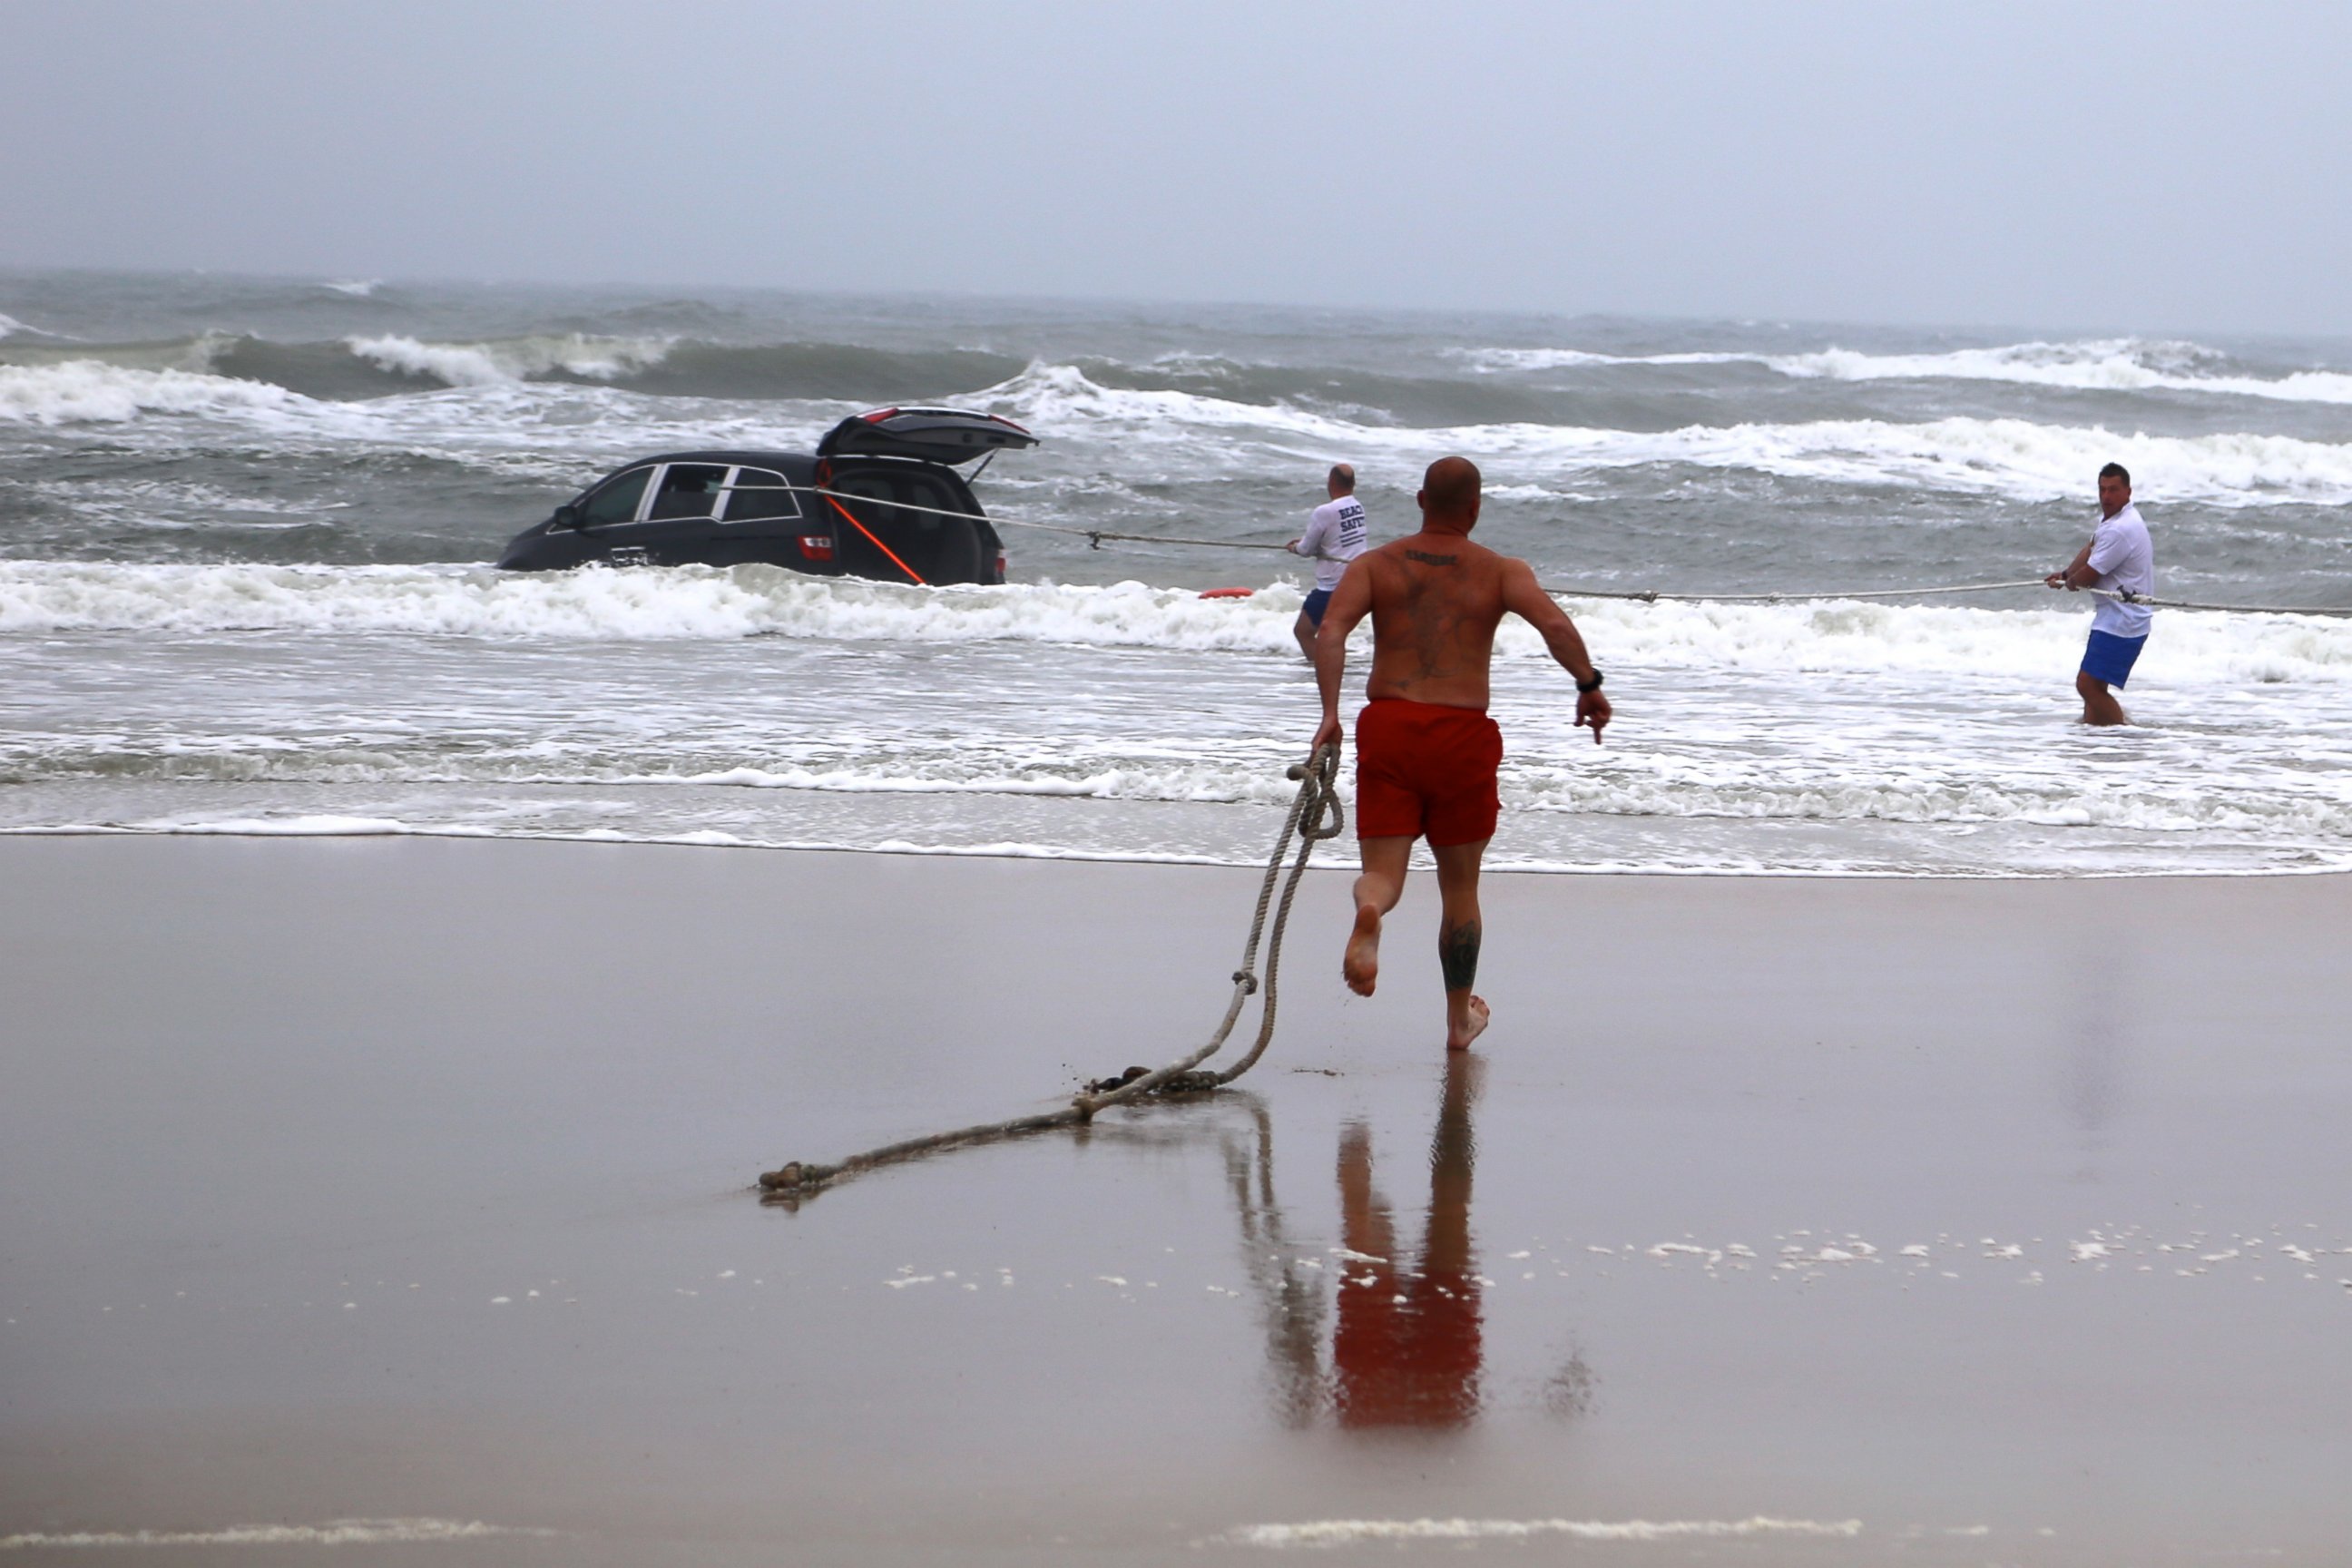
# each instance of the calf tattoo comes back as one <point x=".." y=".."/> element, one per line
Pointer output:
<point x="1457" y="952"/>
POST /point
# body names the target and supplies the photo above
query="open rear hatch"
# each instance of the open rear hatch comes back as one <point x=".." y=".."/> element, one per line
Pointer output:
<point x="937" y="435"/>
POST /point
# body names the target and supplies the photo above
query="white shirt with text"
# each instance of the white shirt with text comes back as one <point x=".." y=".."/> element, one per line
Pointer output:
<point x="1338" y="531"/>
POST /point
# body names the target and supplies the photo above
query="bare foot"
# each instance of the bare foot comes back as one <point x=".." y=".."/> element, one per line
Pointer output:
<point x="1361" y="966"/>
<point x="1459" y="1039"/>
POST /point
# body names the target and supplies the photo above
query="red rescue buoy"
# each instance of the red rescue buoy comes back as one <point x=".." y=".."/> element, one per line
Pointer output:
<point x="1227" y="593"/>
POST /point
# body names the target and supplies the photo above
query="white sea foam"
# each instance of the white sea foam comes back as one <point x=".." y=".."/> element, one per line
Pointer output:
<point x="335" y="1533"/>
<point x="1220" y="781"/>
<point x="354" y="287"/>
<point x="311" y="827"/>
<point x="1492" y="360"/>
<point x="369" y="827"/>
<point x="706" y="603"/>
<point x="1332" y="1533"/>
<point x="569" y="428"/>
<point x="1873" y="636"/>
<point x="10" y="327"/>
<point x="1967" y="794"/>
<point x="1998" y="456"/>
<point x="2121" y="364"/>
<point x="2105" y="364"/>
<point x="91" y="390"/>
<point x="628" y="605"/>
<point x="2261" y="805"/>
<point x="515" y="359"/>
<point x="491" y="408"/>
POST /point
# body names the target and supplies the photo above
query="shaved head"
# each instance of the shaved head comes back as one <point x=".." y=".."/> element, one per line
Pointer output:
<point x="1449" y="488"/>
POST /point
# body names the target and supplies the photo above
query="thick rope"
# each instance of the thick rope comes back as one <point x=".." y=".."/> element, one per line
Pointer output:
<point x="2226" y="609"/>
<point x="1095" y="538"/>
<point x="1652" y="597"/>
<point x="1315" y="815"/>
<point x="2123" y="596"/>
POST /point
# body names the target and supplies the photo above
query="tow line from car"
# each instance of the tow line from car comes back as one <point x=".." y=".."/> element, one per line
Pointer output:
<point x="1095" y="537"/>
<point x="850" y="518"/>
<point x="1315" y="815"/>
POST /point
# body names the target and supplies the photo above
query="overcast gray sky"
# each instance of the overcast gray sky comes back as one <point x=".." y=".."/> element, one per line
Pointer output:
<point x="2147" y="167"/>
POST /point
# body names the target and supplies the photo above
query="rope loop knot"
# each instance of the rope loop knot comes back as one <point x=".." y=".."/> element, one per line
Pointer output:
<point x="1315" y="815"/>
<point x="1320" y="816"/>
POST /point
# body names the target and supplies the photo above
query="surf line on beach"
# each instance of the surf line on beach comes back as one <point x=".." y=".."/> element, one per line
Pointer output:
<point x="1315" y="815"/>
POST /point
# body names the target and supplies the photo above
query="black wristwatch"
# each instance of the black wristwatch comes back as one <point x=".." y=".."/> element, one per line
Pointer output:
<point x="1592" y="685"/>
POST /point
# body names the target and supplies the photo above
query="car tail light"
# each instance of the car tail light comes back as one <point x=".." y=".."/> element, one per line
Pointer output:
<point x="816" y="546"/>
<point x="999" y="568"/>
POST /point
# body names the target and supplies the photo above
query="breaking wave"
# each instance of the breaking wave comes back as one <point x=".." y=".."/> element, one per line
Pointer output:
<point x="367" y="366"/>
<point x="90" y="391"/>
<point x="516" y="359"/>
<point x="2108" y="364"/>
<point x="1169" y="432"/>
<point x="2013" y="458"/>
<point x="650" y="603"/>
<point x="335" y="1533"/>
<point x="1332" y="1533"/>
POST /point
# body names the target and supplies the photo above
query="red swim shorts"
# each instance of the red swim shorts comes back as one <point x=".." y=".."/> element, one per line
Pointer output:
<point x="1422" y="768"/>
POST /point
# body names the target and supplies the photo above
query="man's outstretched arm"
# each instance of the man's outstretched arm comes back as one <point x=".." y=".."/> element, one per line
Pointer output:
<point x="1351" y="601"/>
<point x="1523" y="599"/>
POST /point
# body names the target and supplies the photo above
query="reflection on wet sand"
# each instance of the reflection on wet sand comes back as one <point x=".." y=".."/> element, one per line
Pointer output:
<point x="1406" y="1350"/>
<point x="1407" y="1346"/>
<point x="1289" y="1287"/>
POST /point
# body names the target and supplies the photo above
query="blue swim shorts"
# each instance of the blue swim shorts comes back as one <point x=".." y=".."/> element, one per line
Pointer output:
<point x="2110" y="658"/>
<point x="1316" y="601"/>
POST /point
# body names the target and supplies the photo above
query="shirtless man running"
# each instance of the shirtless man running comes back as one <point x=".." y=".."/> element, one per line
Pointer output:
<point x="1427" y="753"/>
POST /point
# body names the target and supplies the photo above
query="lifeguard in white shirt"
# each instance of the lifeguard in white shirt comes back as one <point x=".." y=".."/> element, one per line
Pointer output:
<point x="2121" y="558"/>
<point x="1336" y="532"/>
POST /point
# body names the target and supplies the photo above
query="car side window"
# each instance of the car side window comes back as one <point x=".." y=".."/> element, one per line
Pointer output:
<point x="760" y="496"/>
<point x="616" y="500"/>
<point x="689" y="490"/>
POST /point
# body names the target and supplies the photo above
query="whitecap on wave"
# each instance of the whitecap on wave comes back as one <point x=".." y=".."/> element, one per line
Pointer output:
<point x="2101" y="365"/>
<point x="512" y="360"/>
<point x="2012" y="458"/>
<point x="1169" y="432"/>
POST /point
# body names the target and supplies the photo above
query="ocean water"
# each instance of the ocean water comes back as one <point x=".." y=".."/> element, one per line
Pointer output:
<point x="245" y="526"/>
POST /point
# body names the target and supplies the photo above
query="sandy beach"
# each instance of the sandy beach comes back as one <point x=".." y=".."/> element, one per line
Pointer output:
<point x="1776" y="1220"/>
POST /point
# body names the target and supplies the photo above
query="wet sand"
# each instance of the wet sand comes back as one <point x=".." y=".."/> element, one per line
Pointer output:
<point x="407" y="1182"/>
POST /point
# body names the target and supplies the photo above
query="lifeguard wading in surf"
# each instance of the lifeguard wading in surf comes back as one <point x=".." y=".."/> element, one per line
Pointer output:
<point x="1335" y="535"/>
<point x="2120" y="558"/>
<point x="1427" y="753"/>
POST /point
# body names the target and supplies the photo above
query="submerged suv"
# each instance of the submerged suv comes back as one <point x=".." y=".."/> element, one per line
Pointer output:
<point x="899" y="513"/>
